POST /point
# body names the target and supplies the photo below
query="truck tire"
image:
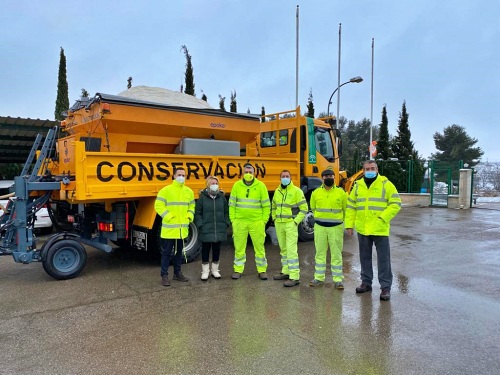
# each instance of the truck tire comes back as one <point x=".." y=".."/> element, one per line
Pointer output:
<point x="64" y="259"/>
<point x="306" y="228"/>
<point x="192" y="245"/>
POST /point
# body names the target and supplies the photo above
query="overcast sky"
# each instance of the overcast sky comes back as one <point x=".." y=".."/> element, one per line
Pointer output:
<point x="441" y="57"/>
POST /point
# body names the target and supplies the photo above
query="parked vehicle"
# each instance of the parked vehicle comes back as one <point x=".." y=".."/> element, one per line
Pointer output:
<point x="43" y="223"/>
<point x="103" y="176"/>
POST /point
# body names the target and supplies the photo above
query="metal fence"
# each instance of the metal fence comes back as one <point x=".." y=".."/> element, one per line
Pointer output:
<point x="439" y="178"/>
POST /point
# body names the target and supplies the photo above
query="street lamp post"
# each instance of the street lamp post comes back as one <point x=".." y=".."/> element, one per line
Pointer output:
<point x="357" y="79"/>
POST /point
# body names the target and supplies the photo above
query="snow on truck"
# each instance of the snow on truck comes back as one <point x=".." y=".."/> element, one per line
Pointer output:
<point x="103" y="168"/>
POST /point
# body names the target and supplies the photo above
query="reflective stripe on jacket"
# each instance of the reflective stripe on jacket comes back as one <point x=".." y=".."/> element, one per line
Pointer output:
<point x="249" y="203"/>
<point x="288" y="201"/>
<point x="175" y="204"/>
<point x="328" y="206"/>
<point x="370" y="210"/>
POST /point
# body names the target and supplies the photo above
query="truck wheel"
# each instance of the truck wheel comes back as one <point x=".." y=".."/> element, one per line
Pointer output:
<point x="192" y="245"/>
<point x="64" y="259"/>
<point x="306" y="228"/>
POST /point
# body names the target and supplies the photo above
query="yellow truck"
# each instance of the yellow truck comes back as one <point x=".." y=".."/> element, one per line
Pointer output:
<point x="101" y="172"/>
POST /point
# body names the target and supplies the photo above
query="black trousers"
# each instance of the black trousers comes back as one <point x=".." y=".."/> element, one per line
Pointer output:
<point x="169" y="247"/>
<point x="205" y="251"/>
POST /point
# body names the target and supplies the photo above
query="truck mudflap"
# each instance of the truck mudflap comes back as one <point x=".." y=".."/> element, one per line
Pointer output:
<point x="139" y="238"/>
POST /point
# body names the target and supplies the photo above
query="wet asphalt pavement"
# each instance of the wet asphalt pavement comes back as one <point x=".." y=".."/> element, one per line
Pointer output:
<point x="116" y="318"/>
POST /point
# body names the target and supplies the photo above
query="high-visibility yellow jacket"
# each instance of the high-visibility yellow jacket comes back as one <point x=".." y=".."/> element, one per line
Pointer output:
<point x="249" y="203"/>
<point x="175" y="204"/>
<point x="328" y="206"/>
<point x="370" y="210"/>
<point x="288" y="201"/>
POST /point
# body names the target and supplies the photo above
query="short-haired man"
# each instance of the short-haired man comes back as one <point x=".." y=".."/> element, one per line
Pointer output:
<point x="288" y="209"/>
<point x="175" y="204"/>
<point x="328" y="204"/>
<point x="373" y="202"/>
<point x="249" y="210"/>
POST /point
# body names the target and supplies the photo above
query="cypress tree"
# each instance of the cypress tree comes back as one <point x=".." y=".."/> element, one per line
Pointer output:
<point x="383" y="146"/>
<point x="403" y="146"/>
<point x="232" y="105"/>
<point x="404" y="150"/>
<point x="189" y="78"/>
<point x="222" y="106"/>
<point x="129" y="82"/>
<point x="310" y="105"/>
<point x="62" y="100"/>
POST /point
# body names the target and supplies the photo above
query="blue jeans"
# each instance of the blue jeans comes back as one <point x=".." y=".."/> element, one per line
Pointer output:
<point x="171" y="246"/>
<point x="383" y="260"/>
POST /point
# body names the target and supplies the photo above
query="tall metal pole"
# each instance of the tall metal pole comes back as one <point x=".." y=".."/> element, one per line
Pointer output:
<point x="371" y="103"/>
<point x="338" y="78"/>
<point x="297" y="61"/>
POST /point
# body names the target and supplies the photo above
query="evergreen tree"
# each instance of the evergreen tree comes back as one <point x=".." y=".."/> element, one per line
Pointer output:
<point x="85" y="93"/>
<point x="11" y="170"/>
<point x="129" y="82"/>
<point x="387" y="167"/>
<point x="62" y="100"/>
<point x="408" y="158"/>
<point x="456" y="144"/>
<point x="248" y="110"/>
<point x="417" y="173"/>
<point x="310" y="105"/>
<point x="263" y="114"/>
<point x="384" y="151"/>
<point x="355" y="143"/>
<point x="403" y="146"/>
<point x="222" y="106"/>
<point x="232" y="105"/>
<point x="189" y="78"/>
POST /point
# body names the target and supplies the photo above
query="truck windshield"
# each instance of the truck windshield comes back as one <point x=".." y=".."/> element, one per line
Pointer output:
<point x="324" y="144"/>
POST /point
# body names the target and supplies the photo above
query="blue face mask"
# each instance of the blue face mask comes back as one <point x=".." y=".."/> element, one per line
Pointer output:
<point x="370" y="174"/>
<point x="285" y="181"/>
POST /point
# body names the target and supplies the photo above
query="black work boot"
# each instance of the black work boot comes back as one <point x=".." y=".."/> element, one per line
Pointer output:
<point x="385" y="295"/>
<point x="363" y="288"/>
<point x="281" y="276"/>
<point x="180" y="277"/>
<point x="164" y="280"/>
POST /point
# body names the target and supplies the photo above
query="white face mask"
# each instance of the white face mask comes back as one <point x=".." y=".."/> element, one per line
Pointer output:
<point x="214" y="188"/>
<point x="180" y="179"/>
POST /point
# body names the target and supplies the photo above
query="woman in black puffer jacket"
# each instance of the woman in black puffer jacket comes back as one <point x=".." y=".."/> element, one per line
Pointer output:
<point x="212" y="220"/>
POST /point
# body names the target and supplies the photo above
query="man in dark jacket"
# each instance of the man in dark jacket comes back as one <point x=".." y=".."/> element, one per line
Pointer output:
<point x="212" y="220"/>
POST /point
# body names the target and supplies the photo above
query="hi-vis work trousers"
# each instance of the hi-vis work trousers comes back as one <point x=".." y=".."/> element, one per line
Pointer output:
<point x="257" y="232"/>
<point x="288" y="235"/>
<point x="324" y="237"/>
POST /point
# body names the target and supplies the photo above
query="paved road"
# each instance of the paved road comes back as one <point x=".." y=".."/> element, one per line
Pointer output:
<point x="116" y="318"/>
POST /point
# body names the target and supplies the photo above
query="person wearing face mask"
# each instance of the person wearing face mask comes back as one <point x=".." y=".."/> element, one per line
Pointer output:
<point x="288" y="209"/>
<point x="212" y="220"/>
<point x="373" y="202"/>
<point x="175" y="204"/>
<point x="249" y="209"/>
<point x="328" y="204"/>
